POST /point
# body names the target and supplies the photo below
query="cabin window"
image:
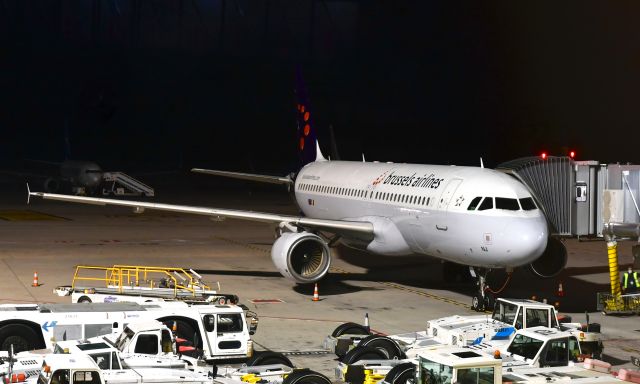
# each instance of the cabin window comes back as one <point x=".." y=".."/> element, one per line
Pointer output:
<point x="507" y="204"/>
<point x="67" y="332"/>
<point x="487" y="203"/>
<point x="537" y="317"/>
<point x="115" y="361"/>
<point x="527" y="204"/>
<point x="475" y="375"/>
<point x="86" y="377"/>
<point x="102" y="359"/>
<point x="474" y="203"/>
<point x="93" y="330"/>
<point x="229" y="322"/>
<point x="147" y="344"/>
<point x="557" y="353"/>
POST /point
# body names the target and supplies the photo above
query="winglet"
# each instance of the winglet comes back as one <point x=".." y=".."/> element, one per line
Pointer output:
<point x="481" y="163"/>
<point x="363" y="159"/>
<point x="28" y="194"/>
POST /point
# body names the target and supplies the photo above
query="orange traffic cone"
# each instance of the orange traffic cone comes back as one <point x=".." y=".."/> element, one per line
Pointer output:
<point x="35" y="280"/>
<point x="560" y="292"/>
<point x="315" y="293"/>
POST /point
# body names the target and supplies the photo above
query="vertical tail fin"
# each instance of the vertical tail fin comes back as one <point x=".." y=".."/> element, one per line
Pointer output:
<point x="308" y="147"/>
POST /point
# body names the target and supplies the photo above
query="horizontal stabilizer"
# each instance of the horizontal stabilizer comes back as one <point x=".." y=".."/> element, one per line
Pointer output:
<point x="286" y="180"/>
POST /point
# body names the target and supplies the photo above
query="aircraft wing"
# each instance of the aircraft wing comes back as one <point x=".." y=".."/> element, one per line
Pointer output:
<point x="359" y="229"/>
<point x="246" y="176"/>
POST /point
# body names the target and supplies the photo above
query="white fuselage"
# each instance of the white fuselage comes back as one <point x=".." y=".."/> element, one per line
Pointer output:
<point x="425" y="209"/>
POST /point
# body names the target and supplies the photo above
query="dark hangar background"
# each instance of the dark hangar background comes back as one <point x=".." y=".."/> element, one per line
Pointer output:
<point x="209" y="83"/>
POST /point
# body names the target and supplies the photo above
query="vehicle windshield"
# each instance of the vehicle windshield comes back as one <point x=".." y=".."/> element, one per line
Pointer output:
<point x="525" y="346"/>
<point x="434" y="373"/>
<point x="505" y="312"/>
<point x="123" y="340"/>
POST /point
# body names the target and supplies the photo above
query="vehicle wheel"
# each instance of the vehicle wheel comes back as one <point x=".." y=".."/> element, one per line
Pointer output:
<point x="350" y="329"/>
<point x="383" y="344"/>
<point x="475" y="303"/>
<point x="306" y="376"/>
<point x="21" y="336"/>
<point x="84" y="299"/>
<point x="404" y="373"/>
<point x="363" y="353"/>
<point x="267" y="358"/>
<point x="489" y="302"/>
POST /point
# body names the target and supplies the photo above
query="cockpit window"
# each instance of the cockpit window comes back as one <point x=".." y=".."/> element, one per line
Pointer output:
<point x="508" y="204"/>
<point x="474" y="203"/>
<point x="527" y="204"/>
<point x="487" y="203"/>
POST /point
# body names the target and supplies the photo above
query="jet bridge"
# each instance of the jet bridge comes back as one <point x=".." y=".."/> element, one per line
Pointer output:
<point x="588" y="199"/>
<point x="580" y="198"/>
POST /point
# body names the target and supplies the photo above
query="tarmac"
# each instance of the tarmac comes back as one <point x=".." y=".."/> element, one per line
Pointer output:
<point x="399" y="293"/>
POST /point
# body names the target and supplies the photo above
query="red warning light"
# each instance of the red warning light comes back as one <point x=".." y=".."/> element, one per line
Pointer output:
<point x="543" y="155"/>
<point x="572" y="154"/>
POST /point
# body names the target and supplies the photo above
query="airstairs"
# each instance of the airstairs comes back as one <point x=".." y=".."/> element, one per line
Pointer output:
<point x="121" y="184"/>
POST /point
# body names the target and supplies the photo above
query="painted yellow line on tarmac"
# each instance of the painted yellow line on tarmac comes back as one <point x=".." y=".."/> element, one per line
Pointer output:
<point x="340" y="270"/>
<point x="27" y="215"/>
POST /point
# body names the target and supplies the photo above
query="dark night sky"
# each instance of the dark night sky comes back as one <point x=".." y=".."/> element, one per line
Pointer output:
<point x="161" y="84"/>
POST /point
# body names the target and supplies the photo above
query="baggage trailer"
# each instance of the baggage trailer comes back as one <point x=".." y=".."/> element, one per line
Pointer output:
<point x="218" y="331"/>
<point x="139" y="284"/>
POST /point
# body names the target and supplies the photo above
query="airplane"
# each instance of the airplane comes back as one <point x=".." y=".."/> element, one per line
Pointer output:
<point x="79" y="176"/>
<point x="473" y="216"/>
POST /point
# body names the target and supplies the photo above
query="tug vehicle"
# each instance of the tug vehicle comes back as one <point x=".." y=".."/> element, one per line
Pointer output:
<point x="527" y="348"/>
<point x="82" y="369"/>
<point x="508" y="316"/>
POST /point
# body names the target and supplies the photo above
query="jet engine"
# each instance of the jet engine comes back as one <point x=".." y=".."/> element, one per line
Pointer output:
<point x="302" y="256"/>
<point x="552" y="261"/>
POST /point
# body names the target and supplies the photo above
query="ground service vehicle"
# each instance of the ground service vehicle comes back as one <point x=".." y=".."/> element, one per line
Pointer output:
<point x="215" y="331"/>
<point x="528" y="348"/>
<point x="464" y="366"/>
<point x="140" y="284"/>
<point x="82" y="369"/>
<point x="148" y="344"/>
<point x="508" y="316"/>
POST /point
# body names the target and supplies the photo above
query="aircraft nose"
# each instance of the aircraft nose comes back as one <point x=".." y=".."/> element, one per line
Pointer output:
<point x="528" y="239"/>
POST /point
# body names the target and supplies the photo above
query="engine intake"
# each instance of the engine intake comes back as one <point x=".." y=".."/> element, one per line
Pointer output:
<point x="302" y="256"/>
<point x="552" y="261"/>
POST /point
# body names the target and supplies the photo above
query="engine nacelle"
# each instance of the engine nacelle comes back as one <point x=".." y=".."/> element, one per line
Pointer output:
<point x="552" y="261"/>
<point x="302" y="256"/>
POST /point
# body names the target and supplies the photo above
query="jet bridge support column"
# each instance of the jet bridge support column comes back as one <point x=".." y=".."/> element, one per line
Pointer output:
<point x="614" y="274"/>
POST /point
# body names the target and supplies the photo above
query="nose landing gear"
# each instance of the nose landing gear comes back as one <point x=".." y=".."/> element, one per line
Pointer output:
<point x="484" y="298"/>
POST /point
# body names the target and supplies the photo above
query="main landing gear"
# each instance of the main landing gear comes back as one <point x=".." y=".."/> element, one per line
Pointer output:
<point x="483" y="299"/>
